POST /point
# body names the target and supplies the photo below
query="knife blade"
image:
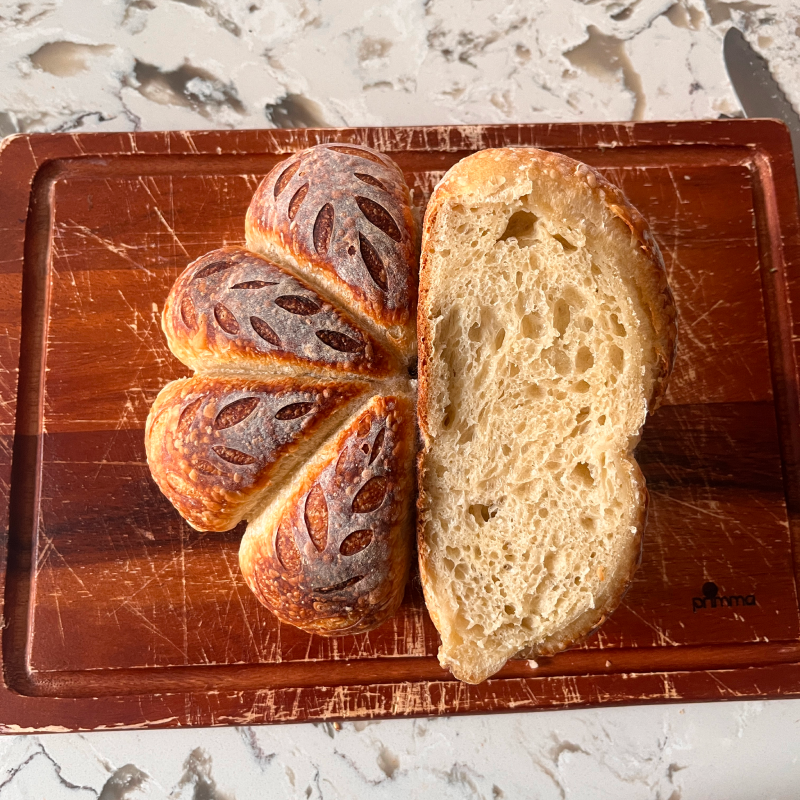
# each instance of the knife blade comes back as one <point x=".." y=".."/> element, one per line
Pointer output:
<point x="758" y="92"/>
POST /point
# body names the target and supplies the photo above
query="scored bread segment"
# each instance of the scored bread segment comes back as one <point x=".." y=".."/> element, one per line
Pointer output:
<point x="340" y="216"/>
<point x="329" y="303"/>
<point x="330" y="553"/>
<point x="215" y="445"/>
<point x="235" y="310"/>
<point x="547" y="330"/>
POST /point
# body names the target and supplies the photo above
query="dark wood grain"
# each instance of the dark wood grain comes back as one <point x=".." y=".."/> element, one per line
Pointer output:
<point x="117" y="614"/>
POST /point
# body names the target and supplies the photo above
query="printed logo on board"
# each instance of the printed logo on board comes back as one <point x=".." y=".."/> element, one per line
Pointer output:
<point x="713" y="599"/>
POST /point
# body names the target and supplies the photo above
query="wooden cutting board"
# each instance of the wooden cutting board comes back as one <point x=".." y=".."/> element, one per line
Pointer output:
<point x="117" y="614"/>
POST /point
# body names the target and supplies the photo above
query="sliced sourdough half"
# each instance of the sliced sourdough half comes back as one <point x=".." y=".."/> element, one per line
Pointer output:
<point x="547" y="331"/>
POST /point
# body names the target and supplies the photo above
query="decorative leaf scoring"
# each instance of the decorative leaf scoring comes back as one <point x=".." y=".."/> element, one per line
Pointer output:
<point x="341" y="464"/>
<point x="287" y="551"/>
<point x="371" y="180"/>
<point x="379" y="217"/>
<point x="378" y="445"/>
<point x="297" y="200"/>
<point x="187" y="416"/>
<point x="265" y="332"/>
<point x="234" y="456"/>
<point x="355" y="151"/>
<point x="364" y="425"/>
<point x="323" y="229"/>
<point x="201" y="465"/>
<point x="235" y="412"/>
<point x="295" y="410"/>
<point x="373" y="262"/>
<point x="225" y="319"/>
<point x="370" y="495"/>
<point x="211" y="269"/>
<point x="297" y="304"/>
<point x="253" y="285"/>
<point x="285" y="177"/>
<point x="340" y="341"/>
<point x="188" y="313"/>
<point x="356" y="542"/>
<point x="316" y="517"/>
<point x="343" y="585"/>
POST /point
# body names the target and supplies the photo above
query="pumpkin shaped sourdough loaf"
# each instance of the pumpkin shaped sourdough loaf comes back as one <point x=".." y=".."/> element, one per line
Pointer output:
<point x="301" y="415"/>
<point x="547" y="331"/>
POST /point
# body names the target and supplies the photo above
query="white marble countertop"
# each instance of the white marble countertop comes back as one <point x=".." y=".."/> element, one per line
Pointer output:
<point x="736" y="751"/>
<point x="69" y="65"/>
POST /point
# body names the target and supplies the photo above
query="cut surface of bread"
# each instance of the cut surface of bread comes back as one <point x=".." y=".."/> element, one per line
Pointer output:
<point x="547" y="330"/>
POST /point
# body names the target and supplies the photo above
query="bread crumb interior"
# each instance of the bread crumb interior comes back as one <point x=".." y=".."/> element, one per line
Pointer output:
<point x="538" y="378"/>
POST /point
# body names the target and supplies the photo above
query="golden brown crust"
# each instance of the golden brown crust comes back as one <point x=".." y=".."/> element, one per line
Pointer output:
<point x="336" y="227"/>
<point x="233" y="309"/>
<point x="474" y="178"/>
<point x="333" y="556"/>
<point x="214" y="444"/>
<point x="342" y="214"/>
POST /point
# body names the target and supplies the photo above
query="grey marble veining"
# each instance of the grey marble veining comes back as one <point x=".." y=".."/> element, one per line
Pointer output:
<point x="156" y="64"/>
<point x="737" y="751"/>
